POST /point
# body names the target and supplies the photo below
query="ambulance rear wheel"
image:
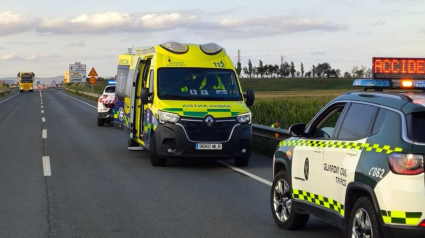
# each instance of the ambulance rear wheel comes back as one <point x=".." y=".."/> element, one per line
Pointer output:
<point x="281" y="204"/>
<point x="21" y="91"/>
<point x="153" y="154"/>
<point x="100" y="122"/>
<point x="364" y="220"/>
<point x="242" y="161"/>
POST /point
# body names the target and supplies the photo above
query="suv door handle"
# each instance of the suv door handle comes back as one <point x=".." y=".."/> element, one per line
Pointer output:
<point x="352" y="152"/>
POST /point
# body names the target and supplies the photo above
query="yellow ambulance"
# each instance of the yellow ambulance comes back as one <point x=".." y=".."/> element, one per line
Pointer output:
<point x="26" y="81"/>
<point x="183" y="101"/>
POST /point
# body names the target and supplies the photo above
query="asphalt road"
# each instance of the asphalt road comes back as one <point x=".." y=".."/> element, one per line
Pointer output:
<point x="97" y="188"/>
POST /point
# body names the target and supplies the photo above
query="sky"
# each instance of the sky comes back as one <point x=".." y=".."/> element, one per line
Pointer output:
<point x="45" y="36"/>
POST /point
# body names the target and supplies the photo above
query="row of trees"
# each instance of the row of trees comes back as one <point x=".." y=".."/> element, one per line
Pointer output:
<point x="321" y="70"/>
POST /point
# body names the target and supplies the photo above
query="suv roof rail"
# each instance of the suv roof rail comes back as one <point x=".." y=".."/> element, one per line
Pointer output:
<point x="383" y="94"/>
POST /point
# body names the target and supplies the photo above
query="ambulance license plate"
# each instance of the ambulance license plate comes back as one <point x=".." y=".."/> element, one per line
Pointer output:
<point x="203" y="146"/>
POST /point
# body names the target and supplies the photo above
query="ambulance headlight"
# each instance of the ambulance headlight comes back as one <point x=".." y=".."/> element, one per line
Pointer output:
<point x="164" y="117"/>
<point x="175" y="47"/>
<point x="211" y="48"/>
<point x="244" y="118"/>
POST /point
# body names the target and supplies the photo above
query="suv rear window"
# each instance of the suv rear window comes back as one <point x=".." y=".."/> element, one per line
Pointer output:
<point x="110" y="90"/>
<point x="416" y="126"/>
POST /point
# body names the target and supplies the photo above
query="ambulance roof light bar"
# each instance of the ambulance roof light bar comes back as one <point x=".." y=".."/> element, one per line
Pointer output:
<point x="175" y="47"/>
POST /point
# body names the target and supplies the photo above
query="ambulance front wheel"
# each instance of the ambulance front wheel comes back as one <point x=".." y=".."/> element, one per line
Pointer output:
<point x="281" y="204"/>
<point x="153" y="154"/>
<point x="364" y="220"/>
<point x="242" y="162"/>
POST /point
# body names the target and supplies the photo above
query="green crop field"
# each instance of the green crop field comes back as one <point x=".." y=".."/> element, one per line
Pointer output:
<point x="296" y="84"/>
<point x="97" y="88"/>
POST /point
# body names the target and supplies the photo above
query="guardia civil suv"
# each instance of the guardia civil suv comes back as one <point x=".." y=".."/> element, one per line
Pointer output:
<point x="359" y="164"/>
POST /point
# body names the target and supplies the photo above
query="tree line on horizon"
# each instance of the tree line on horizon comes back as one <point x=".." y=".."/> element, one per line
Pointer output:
<point x="285" y="70"/>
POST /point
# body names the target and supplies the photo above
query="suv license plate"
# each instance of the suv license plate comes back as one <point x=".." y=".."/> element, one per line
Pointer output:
<point x="200" y="146"/>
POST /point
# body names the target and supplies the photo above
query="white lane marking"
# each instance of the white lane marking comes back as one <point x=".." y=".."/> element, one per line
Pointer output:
<point x="246" y="173"/>
<point x="42" y="111"/>
<point x="41" y="103"/>
<point x="44" y="134"/>
<point x="9" y="98"/>
<point x="76" y="99"/>
<point x="41" y="106"/>
<point x="43" y="119"/>
<point x="46" y="166"/>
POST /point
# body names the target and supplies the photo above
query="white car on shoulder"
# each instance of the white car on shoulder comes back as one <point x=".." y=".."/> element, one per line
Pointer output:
<point x="105" y="105"/>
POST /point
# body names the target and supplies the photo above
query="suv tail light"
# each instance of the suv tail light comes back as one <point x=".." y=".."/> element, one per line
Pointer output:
<point x="422" y="224"/>
<point x="103" y="97"/>
<point x="110" y="105"/>
<point x="408" y="164"/>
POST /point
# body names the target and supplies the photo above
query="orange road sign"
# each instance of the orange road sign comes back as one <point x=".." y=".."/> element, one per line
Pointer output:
<point x="93" y="73"/>
<point x="92" y="80"/>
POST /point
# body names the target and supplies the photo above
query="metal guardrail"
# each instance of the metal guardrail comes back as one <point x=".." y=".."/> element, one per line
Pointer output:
<point x="84" y="93"/>
<point x="270" y="133"/>
<point x="4" y="93"/>
<point x="258" y="130"/>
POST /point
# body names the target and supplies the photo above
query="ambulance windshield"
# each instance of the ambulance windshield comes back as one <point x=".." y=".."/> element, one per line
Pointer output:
<point x="198" y="84"/>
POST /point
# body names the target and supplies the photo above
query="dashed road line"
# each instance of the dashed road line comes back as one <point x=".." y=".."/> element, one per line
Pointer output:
<point x="43" y="119"/>
<point x="246" y="173"/>
<point x="41" y="106"/>
<point x="44" y="134"/>
<point x="42" y="111"/>
<point x="46" y="166"/>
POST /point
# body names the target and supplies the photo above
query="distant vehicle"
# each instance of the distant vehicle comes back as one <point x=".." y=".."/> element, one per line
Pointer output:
<point x="359" y="163"/>
<point x="183" y="101"/>
<point x="26" y="81"/>
<point x="105" y="105"/>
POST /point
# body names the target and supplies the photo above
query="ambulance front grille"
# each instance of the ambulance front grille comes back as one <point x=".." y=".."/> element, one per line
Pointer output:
<point x="200" y="131"/>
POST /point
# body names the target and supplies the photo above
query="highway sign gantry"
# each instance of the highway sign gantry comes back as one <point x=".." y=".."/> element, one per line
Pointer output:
<point x="77" y="72"/>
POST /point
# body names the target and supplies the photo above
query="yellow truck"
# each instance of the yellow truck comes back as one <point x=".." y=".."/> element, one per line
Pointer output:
<point x="26" y="81"/>
<point x="183" y="101"/>
<point x="66" y="77"/>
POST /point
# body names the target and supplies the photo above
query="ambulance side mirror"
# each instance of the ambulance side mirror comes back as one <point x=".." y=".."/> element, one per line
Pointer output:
<point x="249" y="97"/>
<point x="297" y="130"/>
<point x="144" y="96"/>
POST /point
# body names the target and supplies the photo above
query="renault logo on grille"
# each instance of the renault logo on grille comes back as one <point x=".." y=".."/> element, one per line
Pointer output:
<point x="209" y="120"/>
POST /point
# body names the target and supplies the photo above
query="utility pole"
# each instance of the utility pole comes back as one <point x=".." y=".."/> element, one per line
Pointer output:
<point x="239" y="56"/>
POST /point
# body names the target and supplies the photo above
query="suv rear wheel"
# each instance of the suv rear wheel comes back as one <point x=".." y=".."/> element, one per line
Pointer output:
<point x="363" y="220"/>
<point x="281" y="204"/>
<point x="100" y="121"/>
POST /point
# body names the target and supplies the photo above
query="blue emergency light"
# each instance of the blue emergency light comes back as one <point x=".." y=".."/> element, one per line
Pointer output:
<point x="112" y="82"/>
<point x="372" y="83"/>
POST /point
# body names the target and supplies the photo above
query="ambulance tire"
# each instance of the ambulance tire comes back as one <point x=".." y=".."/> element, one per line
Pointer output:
<point x="295" y="221"/>
<point x="365" y="210"/>
<point x="31" y="91"/>
<point x="21" y="91"/>
<point x="156" y="161"/>
<point x="242" y="161"/>
<point x="100" y="121"/>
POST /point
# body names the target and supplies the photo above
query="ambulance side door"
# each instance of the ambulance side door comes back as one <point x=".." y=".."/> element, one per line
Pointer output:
<point x="341" y="159"/>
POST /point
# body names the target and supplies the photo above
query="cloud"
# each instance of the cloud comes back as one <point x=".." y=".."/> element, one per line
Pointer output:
<point x="11" y="23"/>
<point x="76" y="44"/>
<point x="18" y="56"/>
<point x="379" y="23"/>
<point x="319" y="53"/>
<point x="114" y="22"/>
<point x="267" y="26"/>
